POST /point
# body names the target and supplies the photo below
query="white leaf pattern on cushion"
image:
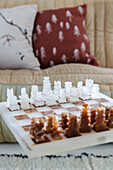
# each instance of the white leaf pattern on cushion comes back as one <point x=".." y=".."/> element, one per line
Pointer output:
<point x="64" y="58"/>
<point x="34" y="37"/>
<point x="69" y="15"/>
<point x="60" y="36"/>
<point x="67" y="25"/>
<point x="88" y="61"/>
<point x="54" y="19"/>
<point x="87" y="55"/>
<point x="84" y="24"/>
<point x="37" y="53"/>
<point x="86" y="37"/>
<point x="54" y="51"/>
<point x="43" y="53"/>
<point x="76" y="54"/>
<point x="83" y="47"/>
<point x="38" y="29"/>
<point x="52" y="63"/>
<point x="80" y="9"/>
<point x="61" y="24"/>
<point x="48" y="28"/>
<point x="76" y="31"/>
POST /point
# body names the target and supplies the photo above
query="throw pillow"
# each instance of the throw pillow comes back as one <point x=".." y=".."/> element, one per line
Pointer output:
<point x="60" y="37"/>
<point x="16" y="25"/>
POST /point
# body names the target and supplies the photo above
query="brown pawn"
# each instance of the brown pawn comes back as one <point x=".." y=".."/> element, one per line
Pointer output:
<point x="64" y="120"/>
<point x="57" y="130"/>
<point x="36" y="130"/>
<point x="107" y="111"/>
<point x="93" y="116"/>
<point x="49" y="124"/>
<point x="73" y="129"/>
<point x="100" y="124"/>
<point x="110" y="118"/>
<point x="85" y="122"/>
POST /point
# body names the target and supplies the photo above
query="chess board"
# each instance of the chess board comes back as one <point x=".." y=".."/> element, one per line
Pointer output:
<point x="19" y="123"/>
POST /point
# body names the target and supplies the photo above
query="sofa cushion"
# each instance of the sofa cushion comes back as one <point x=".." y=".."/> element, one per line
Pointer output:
<point x="16" y="25"/>
<point x="60" y="37"/>
<point x="66" y="72"/>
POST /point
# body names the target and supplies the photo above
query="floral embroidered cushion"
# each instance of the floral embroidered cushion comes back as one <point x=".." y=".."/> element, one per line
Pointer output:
<point x="60" y="37"/>
<point x="16" y="25"/>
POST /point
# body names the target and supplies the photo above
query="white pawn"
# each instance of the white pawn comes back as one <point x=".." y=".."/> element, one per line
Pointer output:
<point x="68" y="86"/>
<point x="62" y="96"/>
<point x="39" y="100"/>
<point x="12" y="102"/>
<point x="95" y="91"/>
<point x="73" y="95"/>
<point x="24" y="99"/>
<point x="50" y="99"/>
<point x="34" y="90"/>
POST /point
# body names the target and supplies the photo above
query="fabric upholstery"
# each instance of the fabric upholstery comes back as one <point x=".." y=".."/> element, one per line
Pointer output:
<point x="99" y="24"/>
<point x="60" y="37"/>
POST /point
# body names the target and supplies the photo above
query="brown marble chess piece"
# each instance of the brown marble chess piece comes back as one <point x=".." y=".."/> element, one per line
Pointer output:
<point x="57" y="130"/>
<point x="64" y="120"/>
<point x="37" y="130"/>
<point x="49" y="124"/>
<point x="85" y="122"/>
<point x="107" y="111"/>
<point x="93" y="116"/>
<point x="110" y="119"/>
<point x="73" y="129"/>
<point x="100" y="124"/>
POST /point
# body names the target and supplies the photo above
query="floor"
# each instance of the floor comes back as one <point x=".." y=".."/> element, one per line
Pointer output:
<point x="103" y="150"/>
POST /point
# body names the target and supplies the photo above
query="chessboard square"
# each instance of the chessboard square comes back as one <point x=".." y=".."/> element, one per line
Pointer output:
<point x="47" y="112"/>
<point x="56" y="107"/>
<point x="37" y="114"/>
<point x="32" y="110"/>
<point x="24" y="122"/>
<point x="102" y="100"/>
<point x="21" y="117"/>
<point x="26" y="127"/>
<point x="76" y="113"/>
<point x="43" y="109"/>
<point x="16" y="113"/>
<point x="89" y="102"/>
<point x="71" y="109"/>
<point x="107" y="104"/>
<point x="59" y="111"/>
<point x="94" y="106"/>
<point x="67" y="105"/>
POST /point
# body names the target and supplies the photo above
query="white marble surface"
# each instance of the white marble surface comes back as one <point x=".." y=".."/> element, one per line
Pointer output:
<point x="103" y="150"/>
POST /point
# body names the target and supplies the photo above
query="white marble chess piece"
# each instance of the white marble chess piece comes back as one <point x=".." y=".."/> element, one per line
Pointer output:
<point x="57" y="87"/>
<point x="24" y="99"/>
<point x="50" y="99"/>
<point x="62" y="96"/>
<point x="68" y="86"/>
<point x="95" y="91"/>
<point x="12" y="102"/>
<point x="73" y="95"/>
<point x="34" y="91"/>
<point x="39" y="99"/>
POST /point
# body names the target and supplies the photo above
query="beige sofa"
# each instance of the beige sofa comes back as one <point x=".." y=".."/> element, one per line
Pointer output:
<point x="100" y="32"/>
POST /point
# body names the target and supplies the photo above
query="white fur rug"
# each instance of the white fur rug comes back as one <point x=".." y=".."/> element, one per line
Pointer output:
<point x="83" y="162"/>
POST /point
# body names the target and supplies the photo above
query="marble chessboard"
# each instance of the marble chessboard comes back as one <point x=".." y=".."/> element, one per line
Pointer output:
<point x="19" y="123"/>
